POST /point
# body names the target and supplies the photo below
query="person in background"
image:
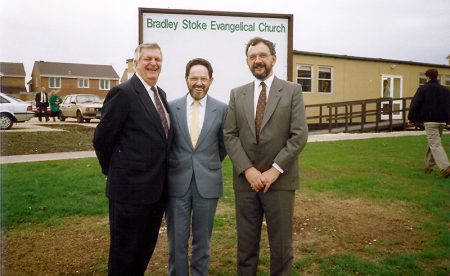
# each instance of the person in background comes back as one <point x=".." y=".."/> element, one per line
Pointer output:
<point x="132" y="143"/>
<point x="55" y="101"/>
<point x="195" y="171"/>
<point x="41" y="100"/>
<point x="431" y="106"/>
<point x="265" y="130"/>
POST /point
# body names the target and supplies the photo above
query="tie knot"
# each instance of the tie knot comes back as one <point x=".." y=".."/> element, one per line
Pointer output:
<point x="153" y="89"/>
<point x="263" y="84"/>
<point x="196" y="103"/>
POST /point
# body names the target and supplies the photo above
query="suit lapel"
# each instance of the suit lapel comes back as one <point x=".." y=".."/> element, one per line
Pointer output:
<point x="272" y="102"/>
<point x="249" y="106"/>
<point x="147" y="102"/>
<point x="210" y="116"/>
<point x="181" y="115"/>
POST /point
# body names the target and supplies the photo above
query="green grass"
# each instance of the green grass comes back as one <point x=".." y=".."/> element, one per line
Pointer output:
<point x="381" y="171"/>
<point x="44" y="191"/>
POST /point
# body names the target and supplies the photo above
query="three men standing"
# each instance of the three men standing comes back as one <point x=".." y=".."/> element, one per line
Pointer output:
<point x="265" y="130"/>
<point x="195" y="171"/>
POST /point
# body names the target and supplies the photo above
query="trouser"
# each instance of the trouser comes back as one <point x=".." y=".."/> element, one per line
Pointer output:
<point x="180" y="212"/>
<point x="436" y="154"/>
<point x="278" y="209"/>
<point x="134" y="232"/>
<point x="43" y="109"/>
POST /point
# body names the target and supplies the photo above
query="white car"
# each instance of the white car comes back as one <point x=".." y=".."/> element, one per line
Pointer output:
<point x="83" y="107"/>
<point x="13" y="110"/>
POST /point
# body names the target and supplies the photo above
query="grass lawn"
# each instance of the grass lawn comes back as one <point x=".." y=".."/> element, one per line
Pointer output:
<point x="365" y="207"/>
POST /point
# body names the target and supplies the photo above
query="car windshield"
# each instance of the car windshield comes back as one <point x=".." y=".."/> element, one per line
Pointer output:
<point x="89" y="99"/>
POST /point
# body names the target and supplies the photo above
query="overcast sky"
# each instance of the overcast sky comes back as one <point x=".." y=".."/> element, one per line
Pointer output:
<point x="106" y="31"/>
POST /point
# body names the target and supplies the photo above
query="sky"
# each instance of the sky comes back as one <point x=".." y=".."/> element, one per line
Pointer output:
<point x="106" y="31"/>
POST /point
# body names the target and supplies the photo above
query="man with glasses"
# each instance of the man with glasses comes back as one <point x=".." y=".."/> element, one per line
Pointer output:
<point x="195" y="171"/>
<point x="265" y="130"/>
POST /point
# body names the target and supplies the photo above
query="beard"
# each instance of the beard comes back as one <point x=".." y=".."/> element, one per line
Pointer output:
<point x="261" y="75"/>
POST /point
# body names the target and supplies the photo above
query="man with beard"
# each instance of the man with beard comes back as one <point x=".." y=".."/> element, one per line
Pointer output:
<point x="195" y="171"/>
<point x="264" y="135"/>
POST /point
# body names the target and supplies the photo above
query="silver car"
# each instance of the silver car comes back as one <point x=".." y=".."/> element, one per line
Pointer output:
<point x="13" y="110"/>
<point x="83" y="107"/>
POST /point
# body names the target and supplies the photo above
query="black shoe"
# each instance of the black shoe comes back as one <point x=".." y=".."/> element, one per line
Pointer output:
<point x="445" y="173"/>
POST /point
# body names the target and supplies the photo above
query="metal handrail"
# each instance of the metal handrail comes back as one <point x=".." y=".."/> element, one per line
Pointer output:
<point x="358" y="109"/>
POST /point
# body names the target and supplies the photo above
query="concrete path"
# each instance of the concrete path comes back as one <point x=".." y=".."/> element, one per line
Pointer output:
<point x="85" y="154"/>
<point x="35" y="125"/>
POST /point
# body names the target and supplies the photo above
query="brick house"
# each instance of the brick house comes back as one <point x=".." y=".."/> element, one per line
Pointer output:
<point x="73" y="78"/>
<point x="12" y="77"/>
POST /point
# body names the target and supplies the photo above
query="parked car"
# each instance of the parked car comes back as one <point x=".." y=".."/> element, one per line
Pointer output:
<point x="83" y="107"/>
<point x="13" y="110"/>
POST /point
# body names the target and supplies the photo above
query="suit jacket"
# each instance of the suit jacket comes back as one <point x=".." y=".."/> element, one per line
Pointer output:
<point x="37" y="99"/>
<point x="204" y="162"/>
<point x="283" y="135"/>
<point x="131" y="146"/>
<point x="431" y="103"/>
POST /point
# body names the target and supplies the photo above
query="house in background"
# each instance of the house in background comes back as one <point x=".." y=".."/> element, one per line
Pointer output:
<point x="12" y="78"/>
<point x="328" y="78"/>
<point x="73" y="78"/>
<point x="129" y="71"/>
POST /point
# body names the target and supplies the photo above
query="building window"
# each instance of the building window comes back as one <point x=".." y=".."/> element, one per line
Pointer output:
<point x="304" y="77"/>
<point x="83" y="83"/>
<point x="447" y="81"/>
<point x="104" y="84"/>
<point x="325" y="79"/>
<point x="422" y="79"/>
<point x="54" y="82"/>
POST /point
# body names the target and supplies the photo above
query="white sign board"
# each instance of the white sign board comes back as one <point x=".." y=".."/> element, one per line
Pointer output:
<point x="220" y="38"/>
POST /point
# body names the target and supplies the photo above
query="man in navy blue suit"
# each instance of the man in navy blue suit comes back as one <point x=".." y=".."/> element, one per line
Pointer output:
<point x="132" y="143"/>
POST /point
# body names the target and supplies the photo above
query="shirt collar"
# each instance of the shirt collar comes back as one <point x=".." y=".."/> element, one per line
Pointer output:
<point x="146" y="85"/>
<point x="190" y="100"/>
<point x="268" y="82"/>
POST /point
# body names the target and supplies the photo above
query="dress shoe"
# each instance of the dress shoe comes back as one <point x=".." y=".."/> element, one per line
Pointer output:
<point x="445" y="173"/>
<point x="428" y="170"/>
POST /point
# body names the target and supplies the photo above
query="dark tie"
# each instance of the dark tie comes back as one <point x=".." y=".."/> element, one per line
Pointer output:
<point x="162" y="113"/>
<point x="260" y="107"/>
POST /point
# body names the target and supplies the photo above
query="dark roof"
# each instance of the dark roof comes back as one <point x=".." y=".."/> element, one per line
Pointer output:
<point x="12" y="69"/>
<point x="370" y="59"/>
<point x="75" y="70"/>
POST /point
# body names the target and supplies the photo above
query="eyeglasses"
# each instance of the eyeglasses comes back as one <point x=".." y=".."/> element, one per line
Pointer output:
<point x="260" y="56"/>
<point x="195" y="80"/>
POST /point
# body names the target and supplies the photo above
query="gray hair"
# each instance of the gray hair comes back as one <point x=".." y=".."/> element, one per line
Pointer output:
<point x="137" y="52"/>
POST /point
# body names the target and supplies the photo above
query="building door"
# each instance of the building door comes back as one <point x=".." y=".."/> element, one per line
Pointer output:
<point x="391" y="87"/>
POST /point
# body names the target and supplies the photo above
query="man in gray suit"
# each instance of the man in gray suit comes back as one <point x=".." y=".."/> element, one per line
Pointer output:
<point x="195" y="171"/>
<point x="264" y="135"/>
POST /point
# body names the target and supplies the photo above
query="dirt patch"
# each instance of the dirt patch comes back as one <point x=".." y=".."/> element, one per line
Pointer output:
<point x="322" y="226"/>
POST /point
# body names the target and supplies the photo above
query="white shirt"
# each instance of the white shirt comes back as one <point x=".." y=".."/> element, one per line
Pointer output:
<point x="257" y="91"/>
<point x="151" y="94"/>
<point x="201" y="116"/>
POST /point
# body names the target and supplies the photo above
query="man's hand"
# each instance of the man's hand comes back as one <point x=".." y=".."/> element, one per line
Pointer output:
<point x="269" y="177"/>
<point x="253" y="177"/>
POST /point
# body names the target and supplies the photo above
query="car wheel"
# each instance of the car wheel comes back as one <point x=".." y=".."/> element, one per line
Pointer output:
<point x="61" y="116"/>
<point x="6" y="121"/>
<point x="79" y="117"/>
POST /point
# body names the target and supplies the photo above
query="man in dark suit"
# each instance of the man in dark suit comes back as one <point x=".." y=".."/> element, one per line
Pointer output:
<point x="264" y="135"/>
<point x="41" y="100"/>
<point x="132" y="143"/>
<point x="195" y="171"/>
<point x="431" y="107"/>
